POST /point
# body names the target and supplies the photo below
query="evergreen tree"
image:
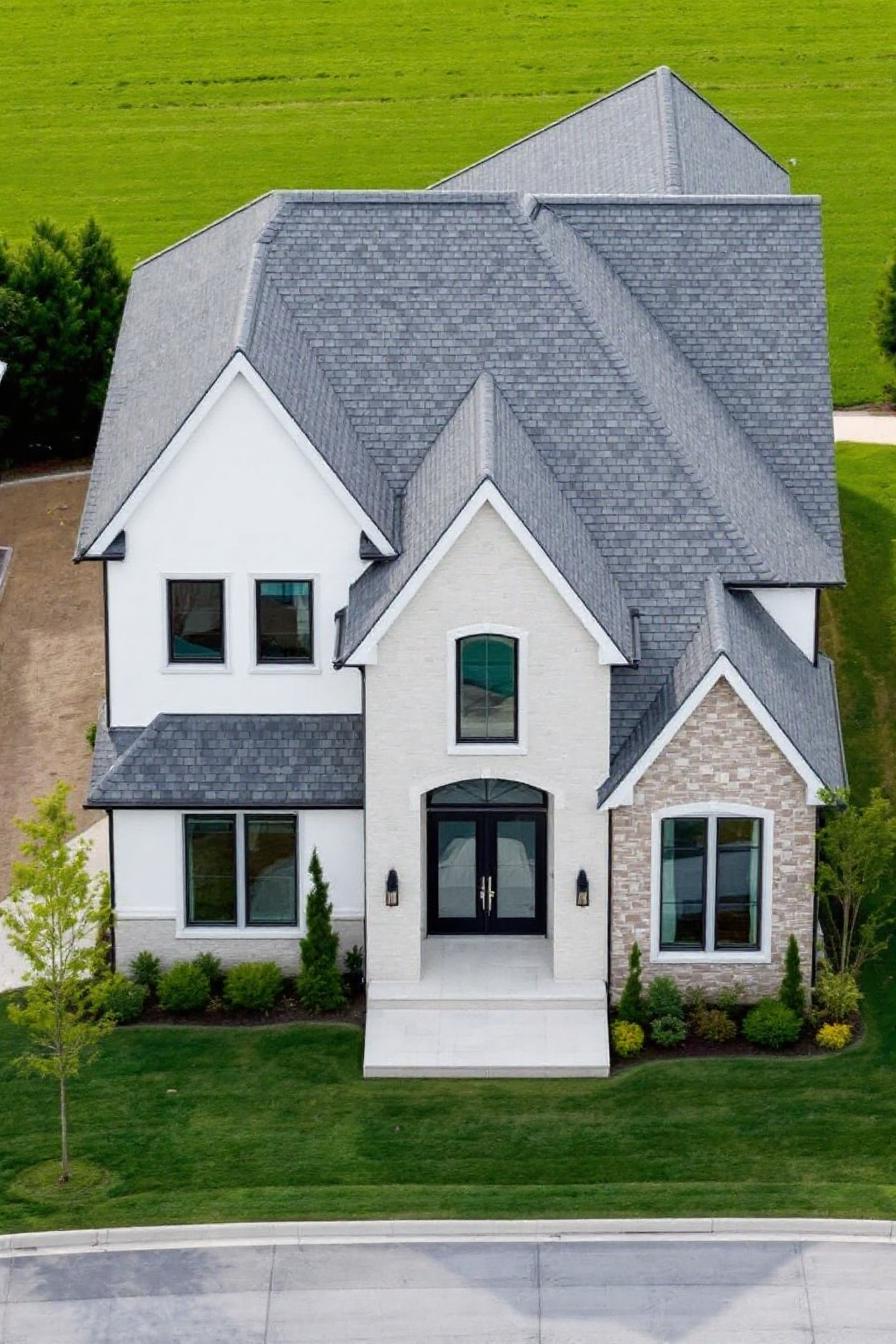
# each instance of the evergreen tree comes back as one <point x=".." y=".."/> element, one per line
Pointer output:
<point x="319" y="984"/>
<point x="102" y="294"/>
<point x="631" y="1004"/>
<point x="792" y="993"/>
<point x="885" y="317"/>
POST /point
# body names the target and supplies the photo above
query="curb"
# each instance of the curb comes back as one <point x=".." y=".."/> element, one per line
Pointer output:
<point x="424" y="1230"/>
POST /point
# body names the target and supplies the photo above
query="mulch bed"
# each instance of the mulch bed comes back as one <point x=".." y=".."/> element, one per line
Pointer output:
<point x="695" y="1048"/>
<point x="287" y="1011"/>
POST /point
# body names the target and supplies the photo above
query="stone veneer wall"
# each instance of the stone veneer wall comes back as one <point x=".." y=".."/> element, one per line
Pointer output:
<point x="159" y="936"/>
<point x="720" y="754"/>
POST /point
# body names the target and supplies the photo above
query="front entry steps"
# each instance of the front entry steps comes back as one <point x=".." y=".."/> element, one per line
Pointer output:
<point x="486" y="1008"/>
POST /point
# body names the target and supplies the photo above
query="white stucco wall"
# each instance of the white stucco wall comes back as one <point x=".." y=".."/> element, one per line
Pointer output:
<point x="486" y="578"/>
<point x="238" y="501"/>
<point x="149" y="866"/>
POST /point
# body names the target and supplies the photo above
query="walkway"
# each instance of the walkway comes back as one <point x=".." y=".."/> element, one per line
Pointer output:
<point x="395" y="1290"/>
<point x="864" y="427"/>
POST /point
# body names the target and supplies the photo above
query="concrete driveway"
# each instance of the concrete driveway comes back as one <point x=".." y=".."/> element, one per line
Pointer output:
<point x="609" y="1290"/>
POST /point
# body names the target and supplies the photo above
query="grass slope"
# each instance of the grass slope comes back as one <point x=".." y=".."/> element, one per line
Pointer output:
<point x="859" y="622"/>
<point x="160" y="117"/>
<point x="195" y="1125"/>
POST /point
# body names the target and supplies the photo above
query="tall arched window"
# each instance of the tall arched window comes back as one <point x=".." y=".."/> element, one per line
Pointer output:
<point x="487" y="688"/>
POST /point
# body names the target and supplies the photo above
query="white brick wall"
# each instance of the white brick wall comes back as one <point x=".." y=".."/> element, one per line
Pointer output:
<point x="486" y="577"/>
<point x="160" y="936"/>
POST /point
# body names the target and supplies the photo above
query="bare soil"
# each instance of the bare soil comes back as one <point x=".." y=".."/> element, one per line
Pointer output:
<point x="51" y="653"/>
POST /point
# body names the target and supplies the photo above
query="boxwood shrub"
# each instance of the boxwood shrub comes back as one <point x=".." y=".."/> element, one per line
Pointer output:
<point x="253" y="985"/>
<point x="664" y="998"/>
<point x="184" y="988"/>
<point x="772" y="1023"/>
<point x="146" y="969"/>
<point x="668" y="1031"/>
<point x="120" y="998"/>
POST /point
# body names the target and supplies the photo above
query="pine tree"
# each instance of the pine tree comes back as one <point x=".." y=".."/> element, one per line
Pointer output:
<point x="885" y="317"/>
<point x="792" y="993"/>
<point x="102" y="288"/>
<point x="631" y="1004"/>
<point x="319" y="983"/>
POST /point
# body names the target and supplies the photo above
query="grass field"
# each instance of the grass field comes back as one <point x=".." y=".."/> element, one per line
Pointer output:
<point x="193" y="1125"/>
<point x="160" y="117"/>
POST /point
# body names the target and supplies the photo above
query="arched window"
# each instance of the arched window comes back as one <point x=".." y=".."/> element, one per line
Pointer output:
<point x="487" y="688"/>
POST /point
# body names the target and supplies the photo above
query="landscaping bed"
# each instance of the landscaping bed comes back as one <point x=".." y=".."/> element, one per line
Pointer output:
<point x="285" y="1011"/>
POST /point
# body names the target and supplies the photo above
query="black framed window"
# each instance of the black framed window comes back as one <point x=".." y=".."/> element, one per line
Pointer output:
<point x="196" y="620"/>
<point x="487" y="688"/>
<point x="710" y="883"/>
<point x="271" y="888"/>
<point x="210" y="852"/>
<point x="284" y="620"/>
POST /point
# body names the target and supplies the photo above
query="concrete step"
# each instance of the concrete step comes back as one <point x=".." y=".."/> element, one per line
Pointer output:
<point x="491" y="1042"/>
<point x="405" y="994"/>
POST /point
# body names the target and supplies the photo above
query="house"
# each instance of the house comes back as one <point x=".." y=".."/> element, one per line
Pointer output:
<point x="475" y="536"/>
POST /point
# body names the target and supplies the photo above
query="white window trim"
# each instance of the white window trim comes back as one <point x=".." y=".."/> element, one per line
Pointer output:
<point x="521" y="746"/>
<point x="202" y="669"/>
<point x="241" y="929"/>
<point x="313" y="668"/>
<point x="713" y="810"/>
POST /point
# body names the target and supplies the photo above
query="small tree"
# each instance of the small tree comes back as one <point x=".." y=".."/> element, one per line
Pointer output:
<point x="52" y="917"/>
<point x="856" y="896"/>
<point x="631" y="1004"/>
<point x="319" y="984"/>
<point x="885" y="316"/>
<point x="792" y="992"/>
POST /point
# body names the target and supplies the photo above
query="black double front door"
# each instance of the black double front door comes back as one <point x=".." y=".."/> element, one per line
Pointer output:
<point x="486" y="871"/>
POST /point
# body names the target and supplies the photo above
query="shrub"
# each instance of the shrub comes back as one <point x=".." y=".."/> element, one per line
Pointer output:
<point x="211" y="967"/>
<point x="628" y="1038"/>
<point x="834" y="1035"/>
<point x="319" y="983"/>
<point x="631" y="1002"/>
<point x="354" y="970"/>
<point x="664" y="999"/>
<point x="184" y="988"/>
<point x="668" y="1031"/>
<point x="772" y="1023"/>
<point x="146" y="969"/>
<point x="254" y="985"/>
<point x="792" y="994"/>
<point x="838" y="995"/>
<point x="694" y="1000"/>
<point x="90" y="735"/>
<point x="714" y="1024"/>
<point x="120" y="998"/>
<point x="731" y="998"/>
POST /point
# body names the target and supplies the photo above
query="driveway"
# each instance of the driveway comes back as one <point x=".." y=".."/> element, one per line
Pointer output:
<point x="611" y="1290"/>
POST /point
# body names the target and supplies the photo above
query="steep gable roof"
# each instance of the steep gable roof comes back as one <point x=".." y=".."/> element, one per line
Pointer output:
<point x="484" y="441"/>
<point x="654" y="136"/>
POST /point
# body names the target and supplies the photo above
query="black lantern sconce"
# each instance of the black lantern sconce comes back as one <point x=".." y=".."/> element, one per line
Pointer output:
<point x="391" y="887"/>
<point x="583" y="896"/>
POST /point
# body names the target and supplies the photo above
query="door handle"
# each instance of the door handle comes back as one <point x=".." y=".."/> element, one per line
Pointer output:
<point x="482" y="893"/>
<point x="491" y="894"/>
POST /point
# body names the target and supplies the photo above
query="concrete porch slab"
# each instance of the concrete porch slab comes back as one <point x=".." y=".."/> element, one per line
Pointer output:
<point x="486" y="1008"/>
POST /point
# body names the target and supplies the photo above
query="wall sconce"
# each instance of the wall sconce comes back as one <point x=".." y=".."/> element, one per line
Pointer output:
<point x="391" y="887"/>
<point x="583" y="896"/>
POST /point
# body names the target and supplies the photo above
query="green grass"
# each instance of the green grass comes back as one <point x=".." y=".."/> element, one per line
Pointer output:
<point x="859" y="622"/>
<point x="159" y="117"/>
<point x="192" y="1125"/>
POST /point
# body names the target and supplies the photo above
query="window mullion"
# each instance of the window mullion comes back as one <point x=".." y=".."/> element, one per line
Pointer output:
<point x="709" y="940"/>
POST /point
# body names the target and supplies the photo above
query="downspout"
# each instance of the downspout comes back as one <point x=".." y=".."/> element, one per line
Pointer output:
<point x="609" y="900"/>
<point x="112" y="945"/>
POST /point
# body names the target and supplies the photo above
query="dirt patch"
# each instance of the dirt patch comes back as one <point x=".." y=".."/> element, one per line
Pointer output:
<point x="51" y="653"/>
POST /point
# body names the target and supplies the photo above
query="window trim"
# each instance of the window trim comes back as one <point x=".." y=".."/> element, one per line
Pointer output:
<point x="259" y="664"/>
<point x="713" y="811"/>
<point x="249" y="923"/>
<point x="242" y="928"/>
<point x="209" y="667"/>
<point x="214" y="925"/>
<point x="457" y="746"/>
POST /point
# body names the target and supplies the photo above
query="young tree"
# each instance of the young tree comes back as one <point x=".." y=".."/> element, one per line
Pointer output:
<point x="52" y="917"/>
<point x="319" y="984"/>
<point x="856" y="893"/>
<point x="631" y="1003"/>
<point x="792" y="992"/>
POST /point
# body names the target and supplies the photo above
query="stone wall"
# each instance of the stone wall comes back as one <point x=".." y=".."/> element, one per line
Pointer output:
<point x="720" y="754"/>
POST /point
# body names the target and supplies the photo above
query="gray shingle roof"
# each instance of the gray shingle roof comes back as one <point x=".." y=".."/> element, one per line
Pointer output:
<point x="655" y="136"/>
<point x="482" y="441"/>
<point x="232" y="760"/>
<point x="801" y="697"/>
<point x="661" y="359"/>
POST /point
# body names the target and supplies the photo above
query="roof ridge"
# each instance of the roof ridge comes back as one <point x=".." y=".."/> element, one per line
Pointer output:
<point x="716" y="615"/>
<point x="745" y="524"/>
<point x="670" y="147"/>
<point x="486" y="414"/>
